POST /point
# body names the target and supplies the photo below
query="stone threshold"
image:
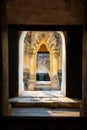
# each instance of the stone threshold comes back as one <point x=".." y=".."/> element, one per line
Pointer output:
<point x="44" y="99"/>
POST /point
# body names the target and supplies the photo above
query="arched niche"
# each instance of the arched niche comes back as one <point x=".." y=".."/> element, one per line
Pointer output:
<point x="21" y="53"/>
<point x="42" y="58"/>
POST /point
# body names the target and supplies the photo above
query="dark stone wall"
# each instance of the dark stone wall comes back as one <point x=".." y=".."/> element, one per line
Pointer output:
<point x="74" y="63"/>
<point x="13" y="62"/>
<point x="60" y="12"/>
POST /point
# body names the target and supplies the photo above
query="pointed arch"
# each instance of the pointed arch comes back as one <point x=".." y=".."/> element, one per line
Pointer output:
<point x="41" y="42"/>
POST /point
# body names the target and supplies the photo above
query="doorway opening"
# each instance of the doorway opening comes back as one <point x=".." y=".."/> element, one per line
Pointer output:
<point x="42" y="61"/>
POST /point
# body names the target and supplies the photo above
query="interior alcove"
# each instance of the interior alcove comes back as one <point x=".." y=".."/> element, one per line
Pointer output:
<point x="43" y="56"/>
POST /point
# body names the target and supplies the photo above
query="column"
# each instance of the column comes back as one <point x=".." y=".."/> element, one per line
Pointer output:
<point x="55" y="83"/>
<point x="5" y="107"/>
<point x="32" y="66"/>
<point x="84" y="65"/>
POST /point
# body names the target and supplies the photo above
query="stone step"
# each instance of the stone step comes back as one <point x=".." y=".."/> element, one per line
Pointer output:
<point x="43" y="87"/>
<point x="47" y="105"/>
<point x="44" y="102"/>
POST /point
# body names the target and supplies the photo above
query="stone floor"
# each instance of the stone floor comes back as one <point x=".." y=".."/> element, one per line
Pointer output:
<point x="45" y="112"/>
<point x="44" y="103"/>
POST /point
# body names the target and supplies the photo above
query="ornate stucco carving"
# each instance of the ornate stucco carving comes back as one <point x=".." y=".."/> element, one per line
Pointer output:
<point x="53" y="38"/>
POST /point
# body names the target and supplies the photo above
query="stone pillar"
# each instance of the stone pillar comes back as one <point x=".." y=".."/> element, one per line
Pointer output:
<point x="84" y="64"/>
<point x="5" y="107"/>
<point x="84" y="77"/>
<point x="51" y="66"/>
<point x="32" y="65"/>
<point x="55" y="83"/>
<point x="55" y="64"/>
